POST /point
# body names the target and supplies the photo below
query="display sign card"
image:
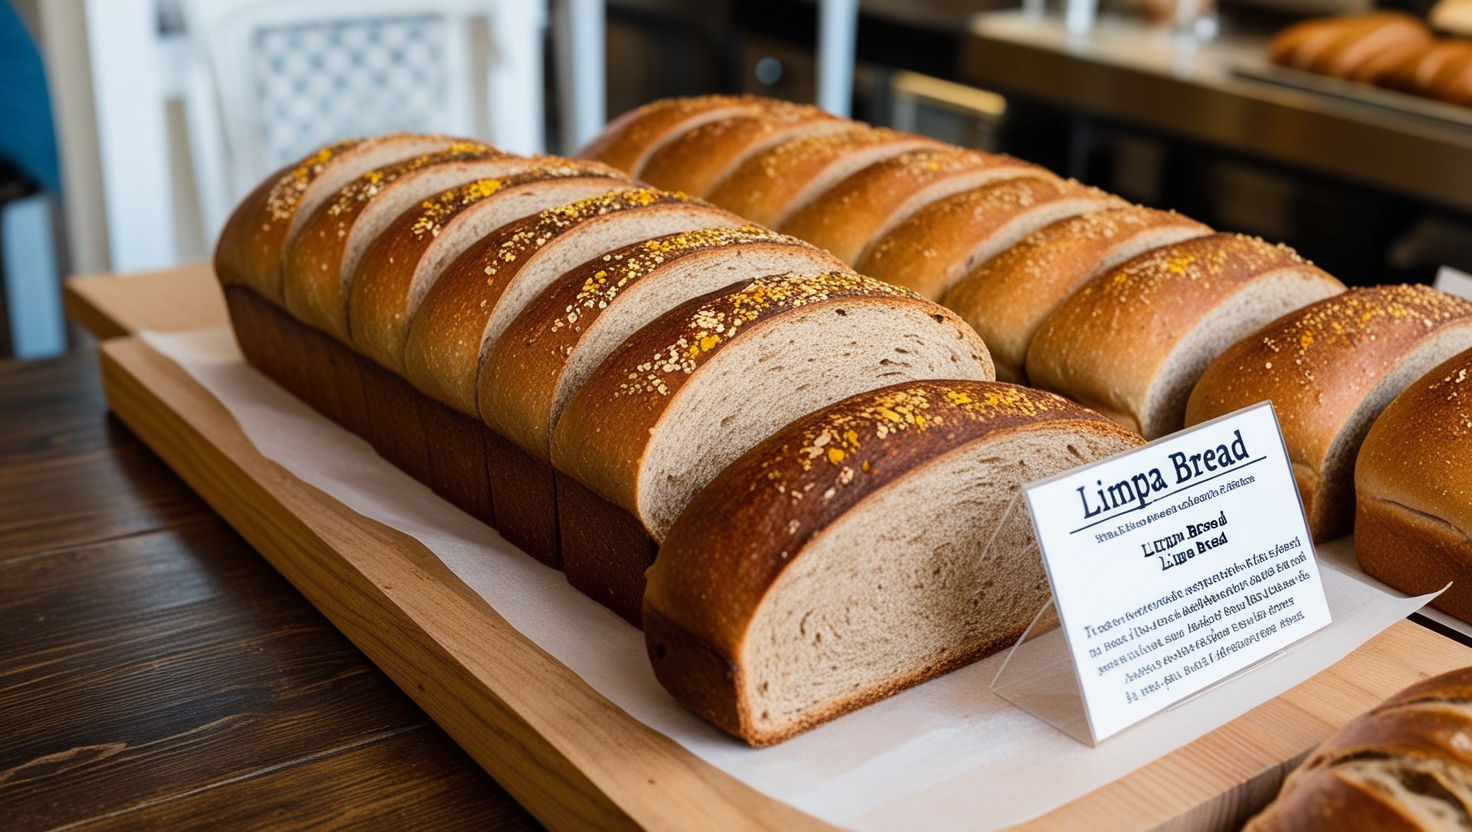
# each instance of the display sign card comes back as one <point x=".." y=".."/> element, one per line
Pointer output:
<point x="1178" y="564"/>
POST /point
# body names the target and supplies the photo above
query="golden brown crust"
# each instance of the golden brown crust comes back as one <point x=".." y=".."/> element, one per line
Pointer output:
<point x="697" y="160"/>
<point x="1105" y="345"/>
<point x="753" y="521"/>
<point x="850" y="215"/>
<point x="931" y="250"/>
<point x="442" y="355"/>
<point x="378" y="305"/>
<point x="1413" y="485"/>
<point x="1007" y="298"/>
<point x="521" y="378"/>
<point x="628" y="141"/>
<point x="764" y="187"/>
<point x="1316" y="366"/>
<point x="1362" y="38"/>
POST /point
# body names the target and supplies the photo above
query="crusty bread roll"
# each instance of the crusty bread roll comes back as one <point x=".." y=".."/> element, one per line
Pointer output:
<point x="628" y="141"/>
<point x="1134" y="340"/>
<point x="1008" y="297"/>
<point x="463" y="314"/>
<point x="1329" y="369"/>
<point x="1364" y="38"/>
<point x="846" y="218"/>
<point x="253" y="240"/>
<point x="1413" y="489"/>
<point x="769" y="186"/>
<point x="1419" y="73"/>
<point x="407" y="257"/>
<point x="931" y="250"/>
<point x="1377" y="68"/>
<point x="1403" y="767"/>
<point x="1300" y="43"/>
<point x="803" y="583"/>
<point x="698" y="160"/>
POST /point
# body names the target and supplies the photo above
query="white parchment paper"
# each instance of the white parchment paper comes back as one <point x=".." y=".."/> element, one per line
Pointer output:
<point x="949" y="754"/>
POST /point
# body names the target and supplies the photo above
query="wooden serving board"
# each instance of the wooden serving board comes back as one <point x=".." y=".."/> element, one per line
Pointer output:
<point x="569" y="755"/>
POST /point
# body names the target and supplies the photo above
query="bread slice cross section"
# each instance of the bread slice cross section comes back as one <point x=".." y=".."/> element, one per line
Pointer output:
<point x="847" y="217"/>
<point x="1330" y="369"/>
<point x="1133" y="342"/>
<point x="945" y="240"/>
<point x="1009" y="296"/>
<point x="859" y="551"/>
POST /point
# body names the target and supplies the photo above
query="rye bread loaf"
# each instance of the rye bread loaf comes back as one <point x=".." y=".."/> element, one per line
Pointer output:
<point x="628" y="141"/>
<point x="255" y="237"/>
<point x="406" y="259"/>
<point x="563" y="335"/>
<point x="1413" y="489"/>
<point x="698" y="160"/>
<point x="1330" y="369"/>
<point x="943" y="241"/>
<point x="846" y="218"/>
<point x="769" y="186"/>
<point x="1405" y="766"/>
<point x="1134" y="340"/>
<point x="319" y="261"/>
<point x="1009" y="296"/>
<point x="690" y="392"/>
<point x="859" y="551"/>
<point x="463" y="314"/>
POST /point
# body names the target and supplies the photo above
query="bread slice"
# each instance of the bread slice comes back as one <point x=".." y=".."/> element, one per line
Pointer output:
<point x="769" y="186"/>
<point x="846" y="218"/>
<point x="1007" y="298"/>
<point x="463" y="314"/>
<point x="699" y="159"/>
<point x="859" y="551"/>
<point x="1134" y="340"/>
<point x="627" y="142"/>
<point x="687" y="394"/>
<point x="251" y="244"/>
<point x="404" y="262"/>
<point x="931" y="250"/>
<point x="1413" y="489"/>
<point x="563" y="335"/>
<point x="1330" y="369"/>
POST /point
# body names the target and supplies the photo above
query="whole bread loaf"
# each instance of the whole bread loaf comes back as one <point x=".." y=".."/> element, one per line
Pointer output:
<point x="1009" y="296"/>
<point x="1406" y="766"/>
<point x="859" y="551"/>
<point x="1134" y="340"/>
<point x="1330" y="369"/>
<point x="1413" y="489"/>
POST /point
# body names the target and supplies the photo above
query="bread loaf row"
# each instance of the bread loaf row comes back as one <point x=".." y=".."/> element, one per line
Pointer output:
<point x="1387" y="49"/>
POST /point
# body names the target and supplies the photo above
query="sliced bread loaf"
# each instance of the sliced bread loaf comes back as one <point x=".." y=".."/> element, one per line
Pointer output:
<point x="628" y="141"/>
<point x="1134" y="340"/>
<point x="943" y="241"/>
<point x="1007" y="298"/>
<point x="859" y="551"/>
<point x="1330" y="369"/>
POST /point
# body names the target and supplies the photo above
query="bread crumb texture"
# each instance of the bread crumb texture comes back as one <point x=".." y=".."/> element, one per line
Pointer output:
<point x="286" y="194"/>
<point x="629" y="265"/>
<point x="722" y="318"/>
<point x="435" y="212"/>
<point x="353" y="195"/>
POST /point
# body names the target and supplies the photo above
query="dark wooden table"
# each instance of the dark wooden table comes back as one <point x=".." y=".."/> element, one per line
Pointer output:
<point x="156" y="672"/>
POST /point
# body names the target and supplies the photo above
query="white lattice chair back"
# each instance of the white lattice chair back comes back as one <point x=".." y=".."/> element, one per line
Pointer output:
<point x="277" y="78"/>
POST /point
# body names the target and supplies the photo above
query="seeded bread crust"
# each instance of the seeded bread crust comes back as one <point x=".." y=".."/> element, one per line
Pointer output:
<point x="933" y="249"/>
<point x="447" y="344"/>
<point x="1316" y="366"/>
<point x="312" y="278"/>
<point x="629" y="140"/>
<point x="846" y="218"/>
<point x="1009" y="296"/>
<point x="771" y="185"/>
<point x="518" y="385"/>
<point x="1413" y="487"/>
<point x="605" y="428"/>
<point x="752" y="522"/>
<point x="1402" y="766"/>
<point x="1106" y="345"/>
<point x="698" y="160"/>
<point x="379" y="304"/>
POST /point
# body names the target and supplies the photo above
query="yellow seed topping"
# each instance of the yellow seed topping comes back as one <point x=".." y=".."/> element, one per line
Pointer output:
<point x="286" y="194"/>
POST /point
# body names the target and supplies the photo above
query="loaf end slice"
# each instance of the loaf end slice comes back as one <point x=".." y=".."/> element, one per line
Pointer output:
<point x="859" y="551"/>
